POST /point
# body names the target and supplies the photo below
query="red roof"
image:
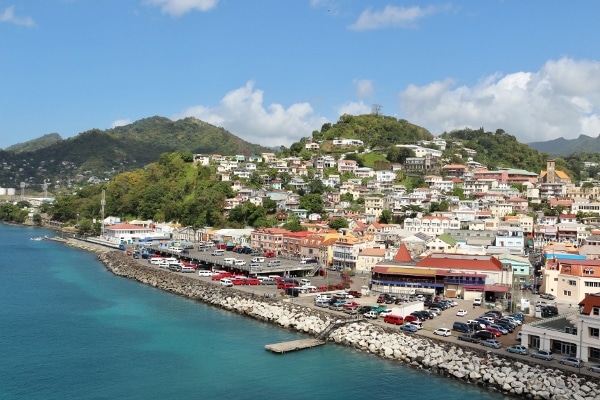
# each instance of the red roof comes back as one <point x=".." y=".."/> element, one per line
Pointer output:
<point x="461" y="262"/>
<point x="590" y="301"/>
<point x="403" y="255"/>
<point x="126" y="226"/>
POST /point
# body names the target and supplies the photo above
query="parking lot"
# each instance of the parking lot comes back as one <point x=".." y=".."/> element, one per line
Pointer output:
<point x="445" y="320"/>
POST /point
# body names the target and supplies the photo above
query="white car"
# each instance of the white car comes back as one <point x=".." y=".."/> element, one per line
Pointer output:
<point x="204" y="272"/>
<point x="385" y="313"/>
<point x="461" y="313"/>
<point x="443" y="332"/>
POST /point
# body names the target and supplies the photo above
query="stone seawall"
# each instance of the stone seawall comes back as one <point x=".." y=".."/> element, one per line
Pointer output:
<point x="479" y="367"/>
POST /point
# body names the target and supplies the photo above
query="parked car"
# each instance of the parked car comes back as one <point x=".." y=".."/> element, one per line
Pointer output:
<point x="409" y="328"/>
<point x="571" y="361"/>
<point x="385" y="313"/>
<point x="337" y="306"/>
<point x="461" y="313"/>
<point x="443" y="332"/>
<point x="351" y="304"/>
<point x="477" y="301"/>
<point x="252" y="281"/>
<point x="483" y="335"/>
<point x="411" y="318"/>
<point x="517" y="349"/>
<point x="371" y="314"/>
<point x="491" y="343"/>
<point x="393" y="319"/>
<point x="494" y="331"/>
<point x="355" y="293"/>
<point x="594" y="368"/>
<point x="500" y="328"/>
<point x="469" y="337"/>
<point x="543" y="355"/>
<point x="204" y="272"/>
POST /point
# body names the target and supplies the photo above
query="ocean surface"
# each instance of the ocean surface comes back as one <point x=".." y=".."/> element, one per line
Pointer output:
<point x="71" y="330"/>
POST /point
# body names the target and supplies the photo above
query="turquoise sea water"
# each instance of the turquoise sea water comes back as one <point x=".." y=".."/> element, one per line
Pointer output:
<point x="71" y="330"/>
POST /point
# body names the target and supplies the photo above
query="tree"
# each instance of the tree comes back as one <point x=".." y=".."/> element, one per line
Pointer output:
<point x="338" y="223"/>
<point x="347" y="197"/>
<point x="293" y="224"/>
<point x="399" y="154"/>
<point x="316" y="186"/>
<point x="37" y="219"/>
<point x="270" y="205"/>
<point x="385" y="217"/>
<point x="313" y="203"/>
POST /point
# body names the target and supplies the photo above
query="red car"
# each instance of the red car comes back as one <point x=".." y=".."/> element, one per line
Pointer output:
<point x="252" y="281"/>
<point x="495" y="331"/>
<point x="411" y="318"/>
<point x="269" y="254"/>
<point x="355" y="293"/>
<point x="351" y="304"/>
<point x="238" y="281"/>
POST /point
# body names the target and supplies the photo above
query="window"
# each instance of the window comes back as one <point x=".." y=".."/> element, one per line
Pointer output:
<point x="596" y="311"/>
<point x="572" y="282"/>
<point x="567" y="292"/>
<point x="594" y="332"/>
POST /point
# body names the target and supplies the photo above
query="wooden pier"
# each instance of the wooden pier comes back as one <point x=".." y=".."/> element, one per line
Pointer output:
<point x="294" y="345"/>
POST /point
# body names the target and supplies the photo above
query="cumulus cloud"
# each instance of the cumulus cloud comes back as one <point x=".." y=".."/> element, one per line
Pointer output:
<point x="392" y="17"/>
<point x="120" y="122"/>
<point x="177" y="8"/>
<point x="364" y="88"/>
<point x="8" y="15"/>
<point x="354" y="108"/>
<point x="561" y="99"/>
<point x="243" y="113"/>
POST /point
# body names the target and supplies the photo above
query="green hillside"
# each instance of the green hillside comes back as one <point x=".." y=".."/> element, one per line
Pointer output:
<point x="35" y="144"/>
<point x="102" y="153"/>
<point x="565" y="147"/>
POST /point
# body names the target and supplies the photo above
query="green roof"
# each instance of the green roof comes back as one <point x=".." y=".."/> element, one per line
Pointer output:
<point x="444" y="237"/>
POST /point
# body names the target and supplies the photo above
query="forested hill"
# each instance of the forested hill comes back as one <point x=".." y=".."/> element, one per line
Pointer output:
<point x="376" y="131"/>
<point x="101" y="152"/>
<point x="498" y="150"/>
<point x="35" y="144"/>
<point x="565" y="147"/>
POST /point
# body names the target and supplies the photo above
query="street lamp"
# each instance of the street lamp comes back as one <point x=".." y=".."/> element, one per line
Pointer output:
<point x="580" y="344"/>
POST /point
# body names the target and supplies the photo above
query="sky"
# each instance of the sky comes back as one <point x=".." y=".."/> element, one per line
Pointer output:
<point x="274" y="71"/>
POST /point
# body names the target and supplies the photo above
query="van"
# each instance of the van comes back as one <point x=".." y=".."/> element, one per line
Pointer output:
<point x="255" y="267"/>
<point x="461" y="327"/>
<point x="218" y="252"/>
<point x="174" y="249"/>
<point x="226" y="282"/>
<point x="239" y="262"/>
<point x="309" y="288"/>
<point x="304" y="282"/>
<point x="186" y="268"/>
<point x="393" y="319"/>
<point x="229" y="261"/>
<point x="156" y="260"/>
<point x="258" y="260"/>
<point x="274" y="263"/>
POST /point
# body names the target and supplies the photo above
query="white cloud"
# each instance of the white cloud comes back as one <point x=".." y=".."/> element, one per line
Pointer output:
<point x="562" y="99"/>
<point x="364" y="88"/>
<point x="242" y="113"/>
<point x="392" y="17"/>
<point x="177" y="8"/>
<point x="8" y="15"/>
<point x="354" y="108"/>
<point x="120" y="122"/>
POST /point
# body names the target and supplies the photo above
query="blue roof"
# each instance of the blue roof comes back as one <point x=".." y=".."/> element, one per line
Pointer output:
<point x="564" y="256"/>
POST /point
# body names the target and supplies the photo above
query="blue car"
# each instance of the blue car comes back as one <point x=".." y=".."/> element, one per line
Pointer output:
<point x="409" y="328"/>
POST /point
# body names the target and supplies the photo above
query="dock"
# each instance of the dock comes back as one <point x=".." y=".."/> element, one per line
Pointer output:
<point x="294" y="345"/>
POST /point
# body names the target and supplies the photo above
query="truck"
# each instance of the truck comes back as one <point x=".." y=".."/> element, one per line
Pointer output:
<point x="371" y="314"/>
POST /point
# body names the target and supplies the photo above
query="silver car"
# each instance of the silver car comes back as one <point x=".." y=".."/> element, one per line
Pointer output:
<point x="571" y="361"/>
<point x="543" y="355"/>
<point x="594" y="368"/>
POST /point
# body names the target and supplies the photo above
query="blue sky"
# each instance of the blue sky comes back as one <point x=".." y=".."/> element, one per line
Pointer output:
<point x="272" y="71"/>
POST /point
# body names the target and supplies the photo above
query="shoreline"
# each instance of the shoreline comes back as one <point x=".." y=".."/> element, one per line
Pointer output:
<point x="477" y="367"/>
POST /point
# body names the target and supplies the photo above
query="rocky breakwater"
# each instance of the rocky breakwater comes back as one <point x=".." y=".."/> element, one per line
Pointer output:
<point x="479" y="367"/>
<point x="283" y="314"/>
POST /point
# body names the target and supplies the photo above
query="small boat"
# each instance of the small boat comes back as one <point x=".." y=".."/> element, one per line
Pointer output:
<point x="37" y="238"/>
